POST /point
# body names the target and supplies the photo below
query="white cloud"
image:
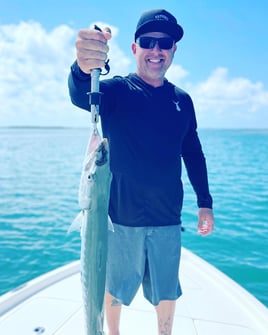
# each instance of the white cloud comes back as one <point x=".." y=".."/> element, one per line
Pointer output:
<point x="176" y="73"/>
<point x="34" y="66"/>
<point x="222" y="101"/>
<point x="219" y="90"/>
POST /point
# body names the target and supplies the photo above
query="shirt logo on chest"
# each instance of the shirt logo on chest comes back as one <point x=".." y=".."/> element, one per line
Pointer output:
<point x="177" y="105"/>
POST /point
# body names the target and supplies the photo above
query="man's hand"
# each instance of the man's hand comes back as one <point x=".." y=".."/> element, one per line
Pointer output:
<point x="205" y="221"/>
<point x="92" y="49"/>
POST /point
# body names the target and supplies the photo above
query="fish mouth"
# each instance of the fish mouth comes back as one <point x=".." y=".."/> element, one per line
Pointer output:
<point x="102" y="153"/>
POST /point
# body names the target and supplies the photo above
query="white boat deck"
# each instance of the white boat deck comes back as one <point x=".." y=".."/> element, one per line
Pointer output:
<point x="211" y="304"/>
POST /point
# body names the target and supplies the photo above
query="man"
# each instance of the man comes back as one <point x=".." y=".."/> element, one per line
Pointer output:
<point x="150" y="124"/>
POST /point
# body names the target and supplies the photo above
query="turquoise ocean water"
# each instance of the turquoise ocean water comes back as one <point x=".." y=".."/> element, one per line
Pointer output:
<point x="39" y="178"/>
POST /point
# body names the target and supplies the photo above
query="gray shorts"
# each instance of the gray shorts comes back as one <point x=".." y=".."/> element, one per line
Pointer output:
<point x="144" y="255"/>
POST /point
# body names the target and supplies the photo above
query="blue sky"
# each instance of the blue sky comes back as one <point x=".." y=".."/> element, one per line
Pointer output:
<point x="222" y="61"/>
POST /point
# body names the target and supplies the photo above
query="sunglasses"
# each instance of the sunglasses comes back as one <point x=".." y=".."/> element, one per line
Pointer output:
<point x="147" y="42"/>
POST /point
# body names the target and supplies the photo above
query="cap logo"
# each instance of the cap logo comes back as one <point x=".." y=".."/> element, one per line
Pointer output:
<point x="161" y="17"/>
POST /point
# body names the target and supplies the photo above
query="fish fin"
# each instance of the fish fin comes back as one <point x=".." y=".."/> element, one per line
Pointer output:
<point x="110" y="224"/>
<point x="77" y="223"/>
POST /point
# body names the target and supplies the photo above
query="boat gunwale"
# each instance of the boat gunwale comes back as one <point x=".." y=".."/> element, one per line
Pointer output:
<point x="15" y="297"/>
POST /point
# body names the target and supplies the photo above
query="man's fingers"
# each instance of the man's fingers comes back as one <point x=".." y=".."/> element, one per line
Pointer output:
<point x="107" y="33"/>
<point x="205" y="228"/>
<point x="91" y="48"/>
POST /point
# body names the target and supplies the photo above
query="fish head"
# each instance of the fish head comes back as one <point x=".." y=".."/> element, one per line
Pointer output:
<point x="96" y="173"/>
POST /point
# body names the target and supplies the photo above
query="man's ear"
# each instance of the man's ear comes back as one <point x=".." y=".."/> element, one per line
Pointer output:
<point x="134" y="48"/>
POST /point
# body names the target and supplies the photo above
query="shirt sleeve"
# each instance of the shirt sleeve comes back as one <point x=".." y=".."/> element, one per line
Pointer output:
<point x="79" y="86"/>
<point x="195" y="162"/>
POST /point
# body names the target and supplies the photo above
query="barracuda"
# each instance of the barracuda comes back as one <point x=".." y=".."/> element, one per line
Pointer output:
<point x="93" y="199"/>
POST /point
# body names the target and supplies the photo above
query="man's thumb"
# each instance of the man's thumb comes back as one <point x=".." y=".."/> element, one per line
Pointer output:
<point x="107" y="33"/>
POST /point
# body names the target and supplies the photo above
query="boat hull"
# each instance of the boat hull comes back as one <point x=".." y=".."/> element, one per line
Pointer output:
<point x="211" y="303"/>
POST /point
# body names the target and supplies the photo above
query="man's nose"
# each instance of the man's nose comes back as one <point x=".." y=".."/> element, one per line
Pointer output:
<point x="156" y="46"/>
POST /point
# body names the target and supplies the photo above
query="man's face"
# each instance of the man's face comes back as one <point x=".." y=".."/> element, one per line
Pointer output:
<point x="153" y="63"/>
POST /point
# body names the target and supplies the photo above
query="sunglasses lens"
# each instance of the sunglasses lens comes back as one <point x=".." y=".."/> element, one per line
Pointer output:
<point x="165" y="43"/>
<point x="147" y="42"/>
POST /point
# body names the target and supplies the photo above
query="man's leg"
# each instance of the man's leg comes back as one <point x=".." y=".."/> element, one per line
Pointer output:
<point x="165" y="315"/>
<point x="113" y="312"/>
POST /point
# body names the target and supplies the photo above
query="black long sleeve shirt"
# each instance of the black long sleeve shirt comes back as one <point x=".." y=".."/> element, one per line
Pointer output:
<point x="148" y="129"/>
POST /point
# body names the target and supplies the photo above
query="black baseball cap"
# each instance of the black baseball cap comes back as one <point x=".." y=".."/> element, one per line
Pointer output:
<point x="161" y="21"/>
